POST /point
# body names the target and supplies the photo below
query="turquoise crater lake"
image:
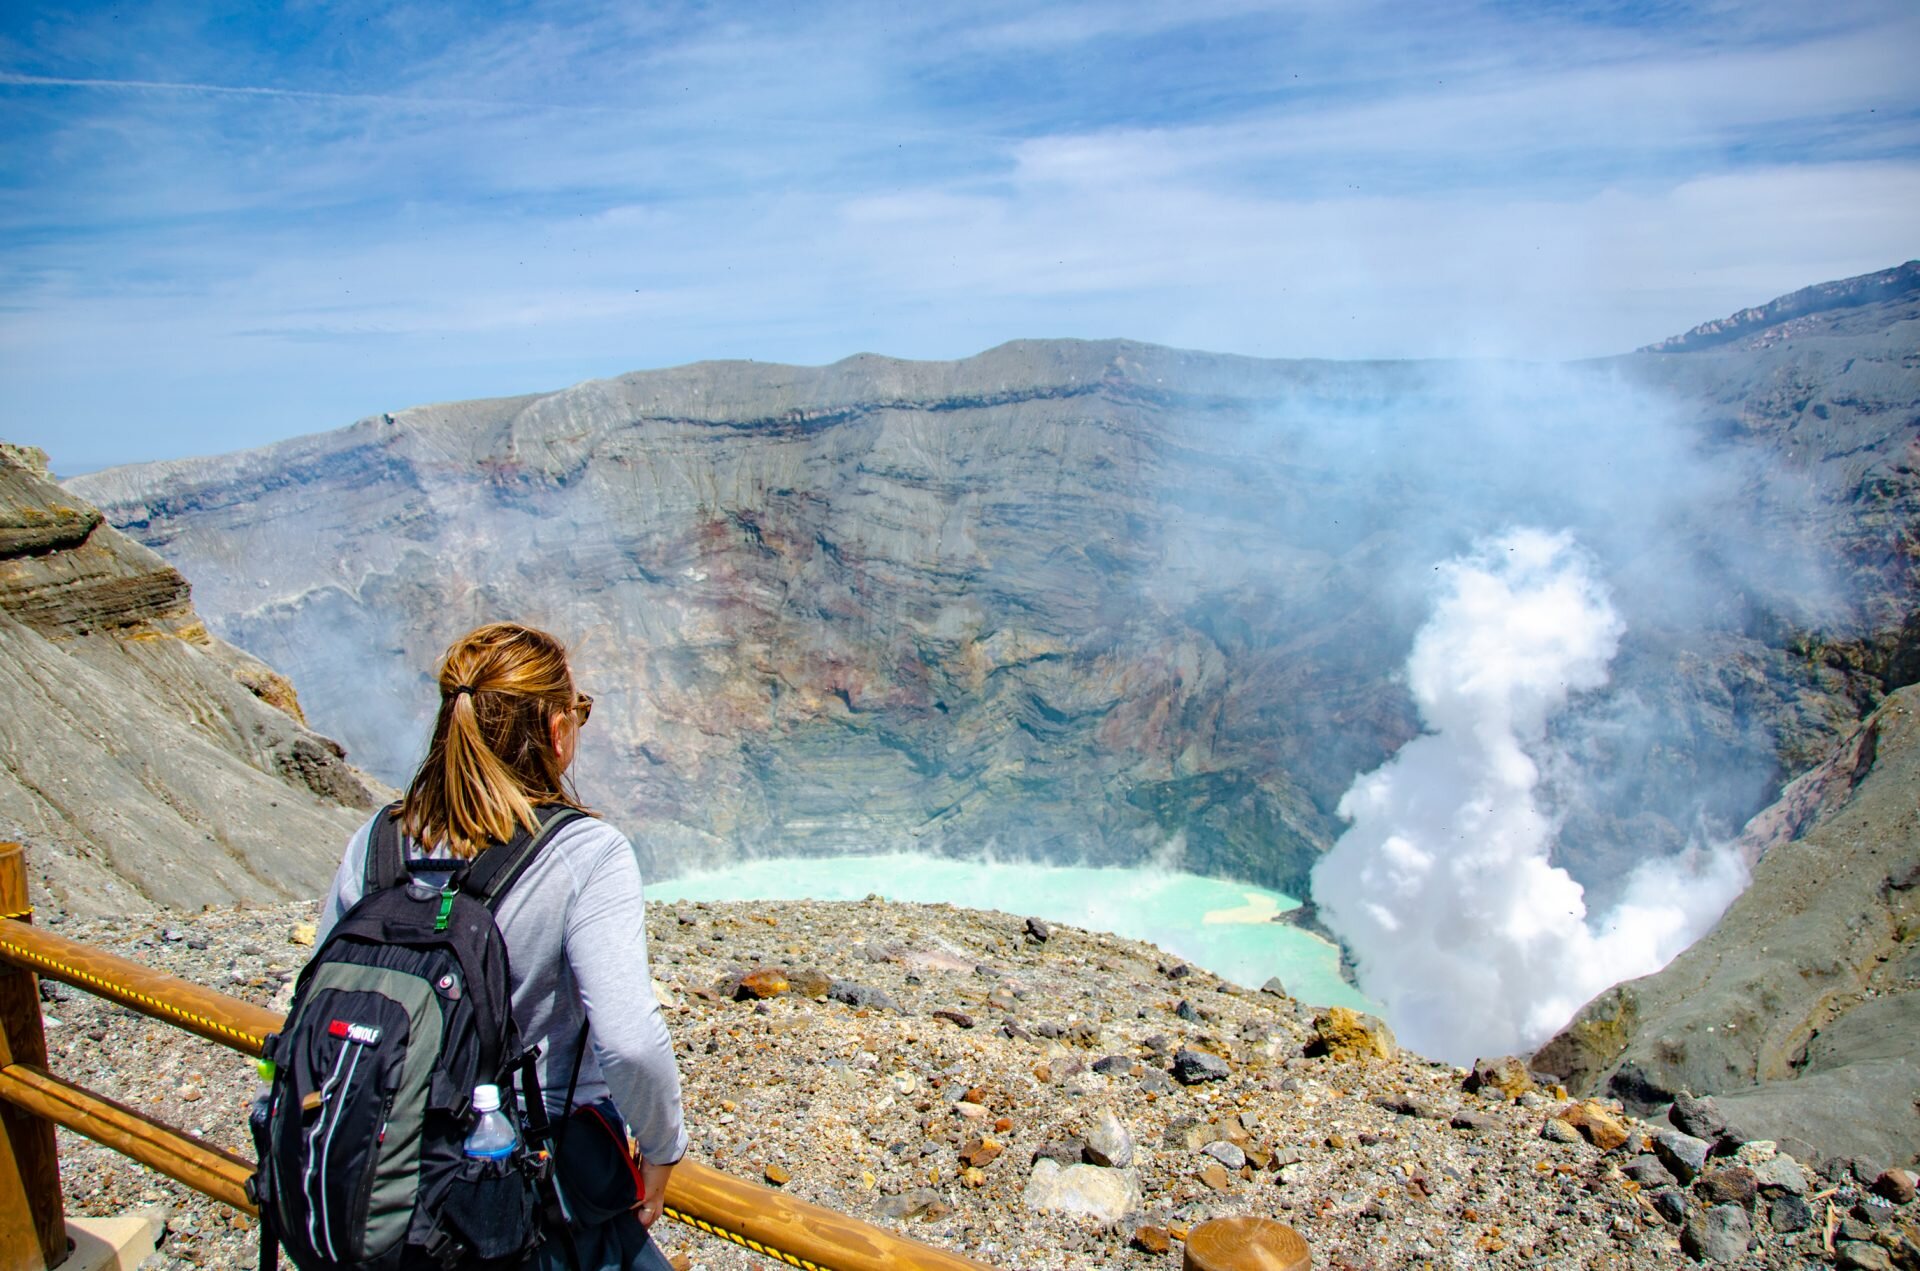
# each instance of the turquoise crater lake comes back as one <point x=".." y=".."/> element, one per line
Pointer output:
<point x="1226" y="927"/>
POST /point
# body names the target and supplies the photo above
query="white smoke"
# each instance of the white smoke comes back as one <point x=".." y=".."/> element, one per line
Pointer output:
<point x="1443" y="886"/>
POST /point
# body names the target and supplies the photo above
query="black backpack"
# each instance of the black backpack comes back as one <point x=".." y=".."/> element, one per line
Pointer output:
<point x="402" y="1011"/>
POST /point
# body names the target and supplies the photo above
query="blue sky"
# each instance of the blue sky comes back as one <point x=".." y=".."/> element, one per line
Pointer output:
<point x="220" y="226"/>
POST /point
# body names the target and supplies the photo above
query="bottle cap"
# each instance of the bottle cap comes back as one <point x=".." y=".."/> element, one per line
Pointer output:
<point x="486" y="1099"/>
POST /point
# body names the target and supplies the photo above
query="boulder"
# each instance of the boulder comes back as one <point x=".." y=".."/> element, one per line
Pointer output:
<point x="1681" y="1153"/>
<point x="1780" y="1173"/>
<point x="1671" y="1204"/>
<point x="1896" y="1185"/>
<point x="1344" y="1035"/>
<point x="1192" y="1067"/>
<point x="1507" y="1074"/>
<point x="1719" y="1234"/>
<point x="1648" y="1172"/>
<point x="1789" y="1214"/>
<point x="1732" y="1185"/>
<point x="1599" y="1126"/>
<point x="762" y="982"/>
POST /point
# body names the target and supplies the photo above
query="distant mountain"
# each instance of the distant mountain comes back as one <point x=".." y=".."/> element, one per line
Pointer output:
<point x="1091" y="601"/>
<point x="1812" y="310"/>
<point x="142" y="760"/>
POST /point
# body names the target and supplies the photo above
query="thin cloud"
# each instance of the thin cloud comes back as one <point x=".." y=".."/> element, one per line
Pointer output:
<point x="423" y="205"/>
<point x="19" y="80"/>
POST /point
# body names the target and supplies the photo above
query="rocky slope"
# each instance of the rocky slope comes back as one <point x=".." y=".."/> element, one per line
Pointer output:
<point x="1084" y="600"/>
<point x="1800" y="1009"/>
<point x="141" y="759"/>
<point x="1074" y="1102"/>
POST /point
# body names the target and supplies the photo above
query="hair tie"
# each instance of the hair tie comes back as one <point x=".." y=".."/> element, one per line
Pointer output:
<point x="458" y="689"/>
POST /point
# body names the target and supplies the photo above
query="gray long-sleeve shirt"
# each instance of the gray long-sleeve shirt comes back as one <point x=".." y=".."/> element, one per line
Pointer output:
<point x="575" y="927"/>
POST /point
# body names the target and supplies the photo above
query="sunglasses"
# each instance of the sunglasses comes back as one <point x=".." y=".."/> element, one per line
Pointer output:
<point x="583" y="708"/>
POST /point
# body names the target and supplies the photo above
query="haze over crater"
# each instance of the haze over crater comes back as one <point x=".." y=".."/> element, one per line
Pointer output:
<point x="1088" y="601"/>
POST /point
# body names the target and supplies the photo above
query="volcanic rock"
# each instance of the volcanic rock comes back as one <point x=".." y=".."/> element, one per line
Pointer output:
<point x="1601" y="1128"/>
<point x="1733" y="1185"/>
<point x="1105" y="1195"/>
<point x="1780" y="1173"/>
<point x="1507" y="1074"/>
<point x="1228" y="1154"/>
<point x="1860" y="1255"/>
<point x="1681" y="1153"/>
<point x="1150" y="1239"/>
<point x="145" y="761"/>
<point x="1191" y="1067"/>
<point x="1789" y="1213"/>
<point x="1896" y="1185"/>
<point x="1699" y="1117"/>
<point x="1720" y="1234"/>
<point x="1343" y="1034"/>
<point x="762" y="982"/>
<point x="1108" y="1142"/>
<point x="1648" y="1172"/>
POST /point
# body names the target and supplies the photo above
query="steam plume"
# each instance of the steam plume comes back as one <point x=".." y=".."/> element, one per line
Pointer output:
<point x="1443" y="886"/>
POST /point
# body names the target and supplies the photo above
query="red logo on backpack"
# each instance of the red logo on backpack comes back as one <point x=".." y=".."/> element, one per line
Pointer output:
<point x="365" y="1034"/>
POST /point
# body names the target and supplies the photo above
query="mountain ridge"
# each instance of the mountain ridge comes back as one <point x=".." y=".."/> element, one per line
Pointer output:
<point x="1821" y="298"/>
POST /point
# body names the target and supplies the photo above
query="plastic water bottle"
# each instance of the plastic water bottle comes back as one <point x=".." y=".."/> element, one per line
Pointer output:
<point x="493" y="1136"/>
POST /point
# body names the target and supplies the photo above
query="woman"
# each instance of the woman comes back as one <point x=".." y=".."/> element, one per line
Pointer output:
<point x="574" y="923"/>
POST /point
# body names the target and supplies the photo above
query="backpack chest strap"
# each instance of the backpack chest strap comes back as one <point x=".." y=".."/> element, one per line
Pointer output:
<point x="486" y="878"/>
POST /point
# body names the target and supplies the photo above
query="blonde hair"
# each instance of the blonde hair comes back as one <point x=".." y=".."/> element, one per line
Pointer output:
<point x="492" y="759"/>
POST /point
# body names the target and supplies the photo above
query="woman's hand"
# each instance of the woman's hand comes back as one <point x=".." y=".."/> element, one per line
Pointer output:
<point x="654" y="1179"/>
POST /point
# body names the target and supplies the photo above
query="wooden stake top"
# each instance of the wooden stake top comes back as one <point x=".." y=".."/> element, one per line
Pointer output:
<point x="1246" y="1244"/>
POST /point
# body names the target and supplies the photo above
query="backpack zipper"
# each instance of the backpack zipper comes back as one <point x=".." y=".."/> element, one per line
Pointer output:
<point x="364" y="1200"/>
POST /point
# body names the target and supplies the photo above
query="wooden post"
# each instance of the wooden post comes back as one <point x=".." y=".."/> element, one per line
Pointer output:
<point x="1246" y="1244"/>
<point x="33" y="1226"/>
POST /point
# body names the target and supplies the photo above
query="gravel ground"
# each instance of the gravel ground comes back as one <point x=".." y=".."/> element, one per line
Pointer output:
<point x="968" y="1050"/>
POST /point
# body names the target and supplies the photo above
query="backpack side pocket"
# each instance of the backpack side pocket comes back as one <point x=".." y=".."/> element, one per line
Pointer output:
<point x="489" y="1207"/>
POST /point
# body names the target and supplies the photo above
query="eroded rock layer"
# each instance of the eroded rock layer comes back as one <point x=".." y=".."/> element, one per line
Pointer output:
<point x="142" y="760"/>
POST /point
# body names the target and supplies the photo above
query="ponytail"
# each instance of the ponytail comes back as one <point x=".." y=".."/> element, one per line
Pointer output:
<point x="492" y="758"/>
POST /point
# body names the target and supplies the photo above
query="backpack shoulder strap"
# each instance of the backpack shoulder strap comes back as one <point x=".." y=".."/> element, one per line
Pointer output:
<point x="386" y="853"/>
<point x="500" y="866"/>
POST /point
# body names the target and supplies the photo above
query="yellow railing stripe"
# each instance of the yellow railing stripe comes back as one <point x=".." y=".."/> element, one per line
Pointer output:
<point x="166" y="1010"/>
<point x="765" y="1251"/>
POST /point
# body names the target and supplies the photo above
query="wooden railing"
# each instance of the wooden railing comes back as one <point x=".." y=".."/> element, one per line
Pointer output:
<point x="33" y="1101"/>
